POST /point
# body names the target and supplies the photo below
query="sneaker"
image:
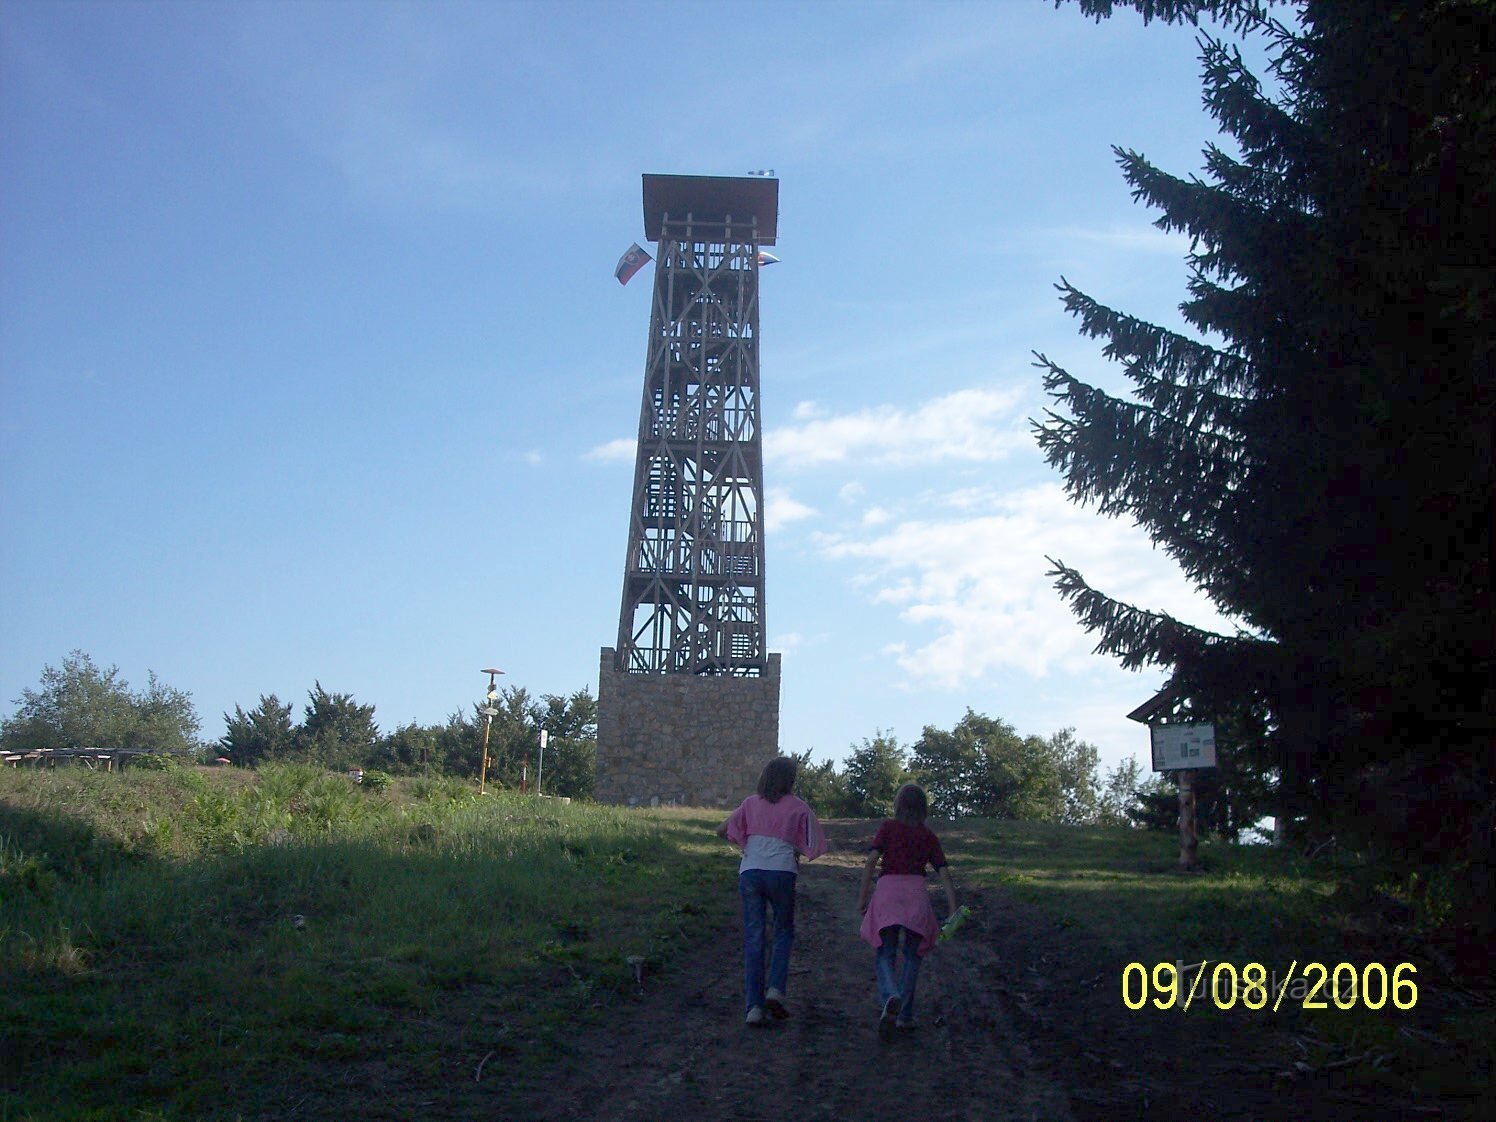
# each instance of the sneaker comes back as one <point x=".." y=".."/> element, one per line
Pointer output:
<point x="774" y="1003"/>
<point x="891" y="1009"/>
<point x="755" y="1017"/>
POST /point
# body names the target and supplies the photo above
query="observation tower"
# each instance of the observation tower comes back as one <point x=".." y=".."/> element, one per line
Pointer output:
<point x="688" y="698"/>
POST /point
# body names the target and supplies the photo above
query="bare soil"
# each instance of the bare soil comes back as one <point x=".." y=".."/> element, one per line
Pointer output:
<point x="1020" y="1017"/>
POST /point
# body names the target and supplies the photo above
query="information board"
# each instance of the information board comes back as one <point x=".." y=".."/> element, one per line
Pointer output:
<point x="1176" y="747"/>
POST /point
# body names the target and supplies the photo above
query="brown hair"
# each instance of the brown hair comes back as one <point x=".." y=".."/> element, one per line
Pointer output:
<point x="910" y="804"/>
<point x="777" y="779"/>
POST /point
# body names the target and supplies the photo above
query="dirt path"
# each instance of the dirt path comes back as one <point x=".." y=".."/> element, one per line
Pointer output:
<point x="1020" y="1017"/>
<point x="684" y="1052"/>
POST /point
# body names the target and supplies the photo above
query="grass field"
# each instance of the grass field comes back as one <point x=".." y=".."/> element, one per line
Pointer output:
<point x="172" y="942"/>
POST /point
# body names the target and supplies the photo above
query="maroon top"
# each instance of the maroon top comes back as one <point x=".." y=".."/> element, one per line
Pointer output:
<point x="908" y="849"/>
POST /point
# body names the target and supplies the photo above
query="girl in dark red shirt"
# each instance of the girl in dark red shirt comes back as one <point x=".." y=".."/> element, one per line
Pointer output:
<point x="900" y="905"/>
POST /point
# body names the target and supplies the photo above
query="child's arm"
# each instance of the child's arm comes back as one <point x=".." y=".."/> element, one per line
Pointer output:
<point x="733" y="829"/>
<point x="867" y="881"/>
<point x="950" y="889"/>
<point x="813" y="844"/>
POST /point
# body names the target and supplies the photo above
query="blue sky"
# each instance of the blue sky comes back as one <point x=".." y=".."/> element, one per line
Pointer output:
<point x="313" y="366"/>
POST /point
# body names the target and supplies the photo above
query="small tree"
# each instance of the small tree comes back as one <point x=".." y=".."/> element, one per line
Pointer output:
<point x="873" y="773"/>
<point x="459" y="743"/>
<point x="945" y="763"/>
<point x="337" y="732"/>
<point x="983" y="767"/>
<point x="263" y="734"/>
<point x="822" y="786"/>
<point x="81" y="706"/>
<point x="1080" y="790"/>
<point x="1032" y="773"/>
<point x="1119" y="793"/>
<point x="410" y="749"/>
<point x="571" y="754"/>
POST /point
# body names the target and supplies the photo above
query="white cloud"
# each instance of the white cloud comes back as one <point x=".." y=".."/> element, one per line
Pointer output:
<point x="781" y="508"/>
<point x="973" y="425"/>
<point x="613" y="452"/>
<point x="971" y="498"/>
<point x="975" y="592"/>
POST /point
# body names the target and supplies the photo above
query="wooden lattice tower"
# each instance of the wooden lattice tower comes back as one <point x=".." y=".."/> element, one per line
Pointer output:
<point x="693" y="587"/>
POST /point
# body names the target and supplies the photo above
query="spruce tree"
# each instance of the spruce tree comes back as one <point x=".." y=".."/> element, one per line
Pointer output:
<point x="1317" y="458"/>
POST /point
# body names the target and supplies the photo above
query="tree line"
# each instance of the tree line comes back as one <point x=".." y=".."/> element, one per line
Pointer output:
<point x="81" y="705"/>
<point x="337" y="732"/>
<point x="980" y="767"/>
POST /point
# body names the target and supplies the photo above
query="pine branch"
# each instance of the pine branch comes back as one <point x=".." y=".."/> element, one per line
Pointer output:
<point x="1270" y="136"/>
<point x="1237" y="14"/>
<point x="1207" y="448"/>
<point x="1244" y="239"/>
<point x="1169" y="356"/>
<point x="1135" y="636"/>
<point x="1180" y="484"/>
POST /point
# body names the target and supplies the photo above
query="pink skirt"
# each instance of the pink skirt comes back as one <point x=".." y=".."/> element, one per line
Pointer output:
<point x="904" y="901"/>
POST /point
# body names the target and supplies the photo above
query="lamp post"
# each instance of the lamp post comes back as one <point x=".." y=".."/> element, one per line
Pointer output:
<point x="489" y="712"/>
<point x="544" y="736"/>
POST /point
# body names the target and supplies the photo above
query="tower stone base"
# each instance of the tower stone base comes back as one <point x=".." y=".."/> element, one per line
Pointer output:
<point x="689" y="739"/>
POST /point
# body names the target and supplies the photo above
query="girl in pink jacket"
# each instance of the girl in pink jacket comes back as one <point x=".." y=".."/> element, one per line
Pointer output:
<point x="773" y="828"/>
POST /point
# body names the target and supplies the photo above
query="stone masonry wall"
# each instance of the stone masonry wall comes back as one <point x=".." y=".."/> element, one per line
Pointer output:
<point x="683" y="738"/>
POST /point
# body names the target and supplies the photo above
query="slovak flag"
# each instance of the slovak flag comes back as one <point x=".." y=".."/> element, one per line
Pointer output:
<point x="767" y="259"/>
<point x="631" y="262"/>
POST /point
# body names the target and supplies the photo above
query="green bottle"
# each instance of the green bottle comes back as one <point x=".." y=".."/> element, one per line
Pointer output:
<point x="953" y="924"/>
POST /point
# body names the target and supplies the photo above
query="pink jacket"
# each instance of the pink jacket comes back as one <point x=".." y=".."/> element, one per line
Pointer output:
<point x="789" y="819"/>
<point x="901" y="900"/>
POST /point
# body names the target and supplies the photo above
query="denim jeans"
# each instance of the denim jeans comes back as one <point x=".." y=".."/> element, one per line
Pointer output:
<point x="760" y="889"/>
<point x="891" y="981"/>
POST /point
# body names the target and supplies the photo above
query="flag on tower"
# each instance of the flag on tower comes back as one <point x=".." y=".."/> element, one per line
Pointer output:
<point x="631" y="262"/>
<point x="767" y="259"/>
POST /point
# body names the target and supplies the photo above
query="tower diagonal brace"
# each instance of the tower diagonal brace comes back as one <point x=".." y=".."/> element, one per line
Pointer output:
<point x="693" y="596"/>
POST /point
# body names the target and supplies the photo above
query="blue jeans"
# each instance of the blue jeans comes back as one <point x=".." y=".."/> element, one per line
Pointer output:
<point x="761" y="889"/>
<point x="890" y="981"/>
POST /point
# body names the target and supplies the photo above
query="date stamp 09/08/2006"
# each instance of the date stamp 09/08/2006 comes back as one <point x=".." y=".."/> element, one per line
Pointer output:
<point x="1314" y="985"/>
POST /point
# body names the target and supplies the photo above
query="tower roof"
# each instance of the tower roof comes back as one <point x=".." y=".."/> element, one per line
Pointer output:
<point x="712" y="197"/>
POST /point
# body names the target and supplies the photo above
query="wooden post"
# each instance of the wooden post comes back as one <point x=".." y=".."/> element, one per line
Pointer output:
<point x="483" y="766"/>
<point x="1189" y="839"/>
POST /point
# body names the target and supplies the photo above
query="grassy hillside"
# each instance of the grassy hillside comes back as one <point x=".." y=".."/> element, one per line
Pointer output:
<point x="195" y="944"/>
<point x="189" y="944"/>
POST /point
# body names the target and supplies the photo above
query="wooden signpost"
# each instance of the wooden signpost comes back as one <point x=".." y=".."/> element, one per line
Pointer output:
<point x="1185" y="749"/>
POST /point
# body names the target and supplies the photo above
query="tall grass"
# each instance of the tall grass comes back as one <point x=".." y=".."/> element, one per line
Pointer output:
<point x="186" y="940"/>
